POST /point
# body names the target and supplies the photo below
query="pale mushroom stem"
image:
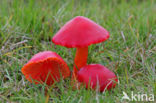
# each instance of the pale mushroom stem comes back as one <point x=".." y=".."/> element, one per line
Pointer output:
<point x="80" y="60"/>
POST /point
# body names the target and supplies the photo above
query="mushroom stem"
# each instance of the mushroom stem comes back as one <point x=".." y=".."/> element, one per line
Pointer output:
<point x="80" y="60"/>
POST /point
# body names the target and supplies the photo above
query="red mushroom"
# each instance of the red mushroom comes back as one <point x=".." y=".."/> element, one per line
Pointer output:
<point x="45" y="67"/>
<point x="80" y="32"/>
<point x="94" y="75"/>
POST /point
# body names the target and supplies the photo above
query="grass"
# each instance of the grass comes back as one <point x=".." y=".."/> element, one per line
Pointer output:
<point x="27" y="26"/>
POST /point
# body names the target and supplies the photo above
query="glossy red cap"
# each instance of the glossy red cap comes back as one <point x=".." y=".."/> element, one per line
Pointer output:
<point x="97" y="74"/>
<point x="45" y="67"/>
<point x="80" y="32"/>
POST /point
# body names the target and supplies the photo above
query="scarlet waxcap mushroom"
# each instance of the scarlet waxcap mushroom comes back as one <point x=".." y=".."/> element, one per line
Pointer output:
<point x="45" y="67"/>
<point x="80" y="32"/>
<point x="94" y="75"/>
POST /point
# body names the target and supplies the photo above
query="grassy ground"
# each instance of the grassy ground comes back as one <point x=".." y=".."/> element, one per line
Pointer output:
<point x="27" y="26"/>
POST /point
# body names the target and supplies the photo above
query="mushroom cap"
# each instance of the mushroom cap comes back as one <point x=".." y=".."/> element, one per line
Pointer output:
<point x="80" y="32"/>
<point x="45" y="67"/>
<point x="97" y="75"/>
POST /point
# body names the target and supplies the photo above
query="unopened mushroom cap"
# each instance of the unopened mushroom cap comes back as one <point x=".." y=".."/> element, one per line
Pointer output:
<point x="45" y="67"/>
<point x="80" y="32"/>
<point x="97" y="75"/>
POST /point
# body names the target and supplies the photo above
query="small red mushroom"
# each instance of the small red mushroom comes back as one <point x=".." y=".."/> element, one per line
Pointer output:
<point x="94" y="75"/>
<point x="80" y="32"/>
<point x="45" y="67"/>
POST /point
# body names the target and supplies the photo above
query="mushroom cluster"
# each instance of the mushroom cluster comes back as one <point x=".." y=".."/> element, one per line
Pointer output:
<point x="79" y="33"/>
<point x="48" y="67"/>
